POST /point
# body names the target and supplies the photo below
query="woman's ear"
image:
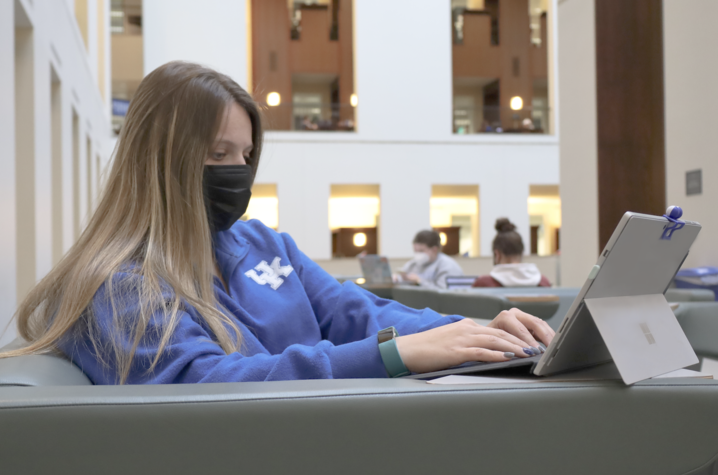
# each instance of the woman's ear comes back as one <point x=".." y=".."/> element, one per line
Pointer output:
<point x="497" y="257"/>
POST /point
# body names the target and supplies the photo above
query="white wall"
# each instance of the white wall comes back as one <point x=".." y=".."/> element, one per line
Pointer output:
<point x="304" y="167"/>
<point x="57" y="41"/>
<point x="691" y="68"/>
<point x="404" y="141"/>
<point x="403" y="69"/>
<point x="579" y="142"/>
<point x="210" y="32"/>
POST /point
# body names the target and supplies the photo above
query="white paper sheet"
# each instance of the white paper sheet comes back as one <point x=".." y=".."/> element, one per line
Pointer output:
<point x="602" y="374"/>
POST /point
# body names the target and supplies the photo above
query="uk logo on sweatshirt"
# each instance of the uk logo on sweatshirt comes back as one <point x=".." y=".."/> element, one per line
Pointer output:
<point x="270" y="273"/>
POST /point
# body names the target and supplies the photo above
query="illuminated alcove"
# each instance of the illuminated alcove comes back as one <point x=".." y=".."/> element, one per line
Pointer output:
<point x="264" y="205"/>
<point x="353" y="219"/>
<point x="454" y="213"/>
<point x="544" y="208"/>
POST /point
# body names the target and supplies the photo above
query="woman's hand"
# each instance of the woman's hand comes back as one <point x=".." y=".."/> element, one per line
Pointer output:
<point x="528" y="328"/>
<point x="410" y="278"/>
<point x="511" y="333"/>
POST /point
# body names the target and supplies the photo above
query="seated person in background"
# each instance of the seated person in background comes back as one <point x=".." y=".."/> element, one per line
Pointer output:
<point x="429" y="267"/>
<point x="508" y="269"/>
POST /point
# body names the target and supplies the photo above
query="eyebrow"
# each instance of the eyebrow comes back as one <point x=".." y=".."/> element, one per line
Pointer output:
<point x="232" y="145"/>
<point x="225" y="143"/>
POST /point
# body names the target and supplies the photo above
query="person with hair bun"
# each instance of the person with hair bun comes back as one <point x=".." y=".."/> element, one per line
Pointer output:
<point x="508" y="269"/>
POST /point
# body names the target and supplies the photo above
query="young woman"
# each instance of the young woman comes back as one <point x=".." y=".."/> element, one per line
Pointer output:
<point x="430" y="267"/>
<point x="508" y="269"/>
<point x="167" y="286"/>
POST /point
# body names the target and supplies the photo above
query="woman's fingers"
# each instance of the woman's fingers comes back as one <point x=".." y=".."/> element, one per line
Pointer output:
<point x="487" y="356"/>
<point x="518" y="346"/>
<point x="495" y="342"/>
<point x="539" y="328"/>
<point x="509" y="322"/>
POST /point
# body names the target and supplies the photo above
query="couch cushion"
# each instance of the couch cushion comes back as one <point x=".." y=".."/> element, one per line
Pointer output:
<point x="699" y="321"/>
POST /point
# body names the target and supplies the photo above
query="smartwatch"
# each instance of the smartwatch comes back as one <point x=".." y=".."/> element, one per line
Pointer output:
<point x="393" y="363"/>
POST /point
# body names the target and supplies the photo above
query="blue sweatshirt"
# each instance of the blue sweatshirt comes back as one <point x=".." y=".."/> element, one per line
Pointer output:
<point x="296" y="320"/>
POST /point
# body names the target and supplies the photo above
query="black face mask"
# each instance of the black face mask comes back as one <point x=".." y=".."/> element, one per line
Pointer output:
<point x="227" y="190"/>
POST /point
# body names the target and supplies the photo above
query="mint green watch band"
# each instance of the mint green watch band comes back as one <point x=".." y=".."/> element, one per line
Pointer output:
<point x="392" y="359"/>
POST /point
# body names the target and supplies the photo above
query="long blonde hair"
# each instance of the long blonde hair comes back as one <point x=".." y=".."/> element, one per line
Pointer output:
<point x="151" y="219"/>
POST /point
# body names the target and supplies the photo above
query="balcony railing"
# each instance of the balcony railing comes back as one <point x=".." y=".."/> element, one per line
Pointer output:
<point x="310" y="117"/>
<point x="495" y="119"/>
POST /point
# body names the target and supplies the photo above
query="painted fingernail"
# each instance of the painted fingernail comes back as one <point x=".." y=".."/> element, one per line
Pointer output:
<point x="536" y="350"/>
<point x="528" y="351"/>
<point x="542" y="348"/>
<point x="508" y="354"/>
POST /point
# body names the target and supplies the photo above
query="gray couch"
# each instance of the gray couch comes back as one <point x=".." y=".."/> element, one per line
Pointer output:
<point x="484" y="304"/>
<point x="361" y="426"/>
<point x="53" y="421"/>
<point x="699" y="321"/>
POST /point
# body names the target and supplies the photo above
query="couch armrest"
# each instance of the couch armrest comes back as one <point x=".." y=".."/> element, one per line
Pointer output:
<point x="39" y="370"/>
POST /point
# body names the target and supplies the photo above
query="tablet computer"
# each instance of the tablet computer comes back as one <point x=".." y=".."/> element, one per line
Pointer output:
<point x="620" y="313"/>
<point x="375" y="269"/>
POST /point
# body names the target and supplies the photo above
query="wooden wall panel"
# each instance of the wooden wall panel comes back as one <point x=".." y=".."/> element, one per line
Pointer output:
<point x="476" y="57"/>
<point x="270" y="59"/>
<point x="276" y="58"/>
<point x="343" y="242"/>
<point x="451" y="248"/>
<point x="630" y="115"/>
<point x="346" y="58"/>
<point x="516" y="77"/>
<point x="539" y="54"/>
<point x="313" y="52"/>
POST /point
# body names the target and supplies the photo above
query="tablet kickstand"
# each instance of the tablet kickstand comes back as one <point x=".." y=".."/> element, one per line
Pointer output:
<point x="642" y="334"/>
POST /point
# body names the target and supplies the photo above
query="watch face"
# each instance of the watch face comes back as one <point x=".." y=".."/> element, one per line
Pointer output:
<point x="386" y="334"/>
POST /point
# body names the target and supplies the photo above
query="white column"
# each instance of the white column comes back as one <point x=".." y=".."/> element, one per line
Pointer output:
<point x="43" y="150"/>
<point x="108" y="70"/>
<point x="68" y="208"/>
<point x="8" y="261"/>
<point x="691" y="120"/>
<point x="92" y="38"/>
<point x="403" y="68"/>
<point x="405" y="198"/>
<point x="499" y="198"/>
<point x="304" y="215"/>
<point x="212" y="33"/>
<point x="404" y="212"/>
<point x="579" y="143"/>
<point x="82" y="184"/>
